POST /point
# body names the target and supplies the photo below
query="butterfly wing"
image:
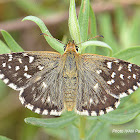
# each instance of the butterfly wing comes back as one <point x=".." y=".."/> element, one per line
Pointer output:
<point x="35" y="74"/>
<point x="102" y="82"/>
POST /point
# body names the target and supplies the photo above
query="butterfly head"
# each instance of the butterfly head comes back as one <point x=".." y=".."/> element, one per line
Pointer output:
<point x="71" y="47"/>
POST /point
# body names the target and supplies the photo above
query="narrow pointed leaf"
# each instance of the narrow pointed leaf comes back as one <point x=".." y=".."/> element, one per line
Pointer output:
<point x="84" y="19"/>
<point x="96" y="43"/>
<point x="53" y="122"/>
<point x="12" y="44"/>
<point x="73" y="23"/>
<point x="128" y="53"/>
<point x="51" y="41"/>
<point x="4" y="48"/>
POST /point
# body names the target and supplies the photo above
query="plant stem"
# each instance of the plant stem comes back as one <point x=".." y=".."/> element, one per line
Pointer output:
<point x="82" y="127"/>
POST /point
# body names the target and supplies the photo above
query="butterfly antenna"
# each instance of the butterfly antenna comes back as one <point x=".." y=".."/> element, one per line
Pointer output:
<point x="51" y="37"/>
<point x="91" y="38"/>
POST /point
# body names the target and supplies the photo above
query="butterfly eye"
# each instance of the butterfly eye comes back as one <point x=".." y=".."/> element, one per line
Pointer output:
<point x="65" y="47"/>
<point x="74" y="78"/>
<point x="76" y="47"/>
<point x="65" y="77"/>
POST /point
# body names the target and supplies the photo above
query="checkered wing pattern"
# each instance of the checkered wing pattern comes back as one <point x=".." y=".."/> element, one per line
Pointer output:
<point x="102" y="82"/>
<point x="35" y="74"/>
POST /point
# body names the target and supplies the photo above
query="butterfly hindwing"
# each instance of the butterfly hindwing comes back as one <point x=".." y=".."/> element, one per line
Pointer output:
<point x="102" y="82"/>
<point x="46" y="95"/>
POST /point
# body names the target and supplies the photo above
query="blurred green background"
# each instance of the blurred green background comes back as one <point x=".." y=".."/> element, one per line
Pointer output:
<point x="119" y="23"/>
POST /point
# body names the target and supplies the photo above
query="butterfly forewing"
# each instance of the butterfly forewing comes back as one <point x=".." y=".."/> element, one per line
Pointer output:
<point x="17" y="68"/>
<point x="102" y="82"/>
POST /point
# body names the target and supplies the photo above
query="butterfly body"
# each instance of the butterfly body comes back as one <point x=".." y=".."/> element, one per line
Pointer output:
<point x="50" y="83"/>
<point x="70" y="75"/>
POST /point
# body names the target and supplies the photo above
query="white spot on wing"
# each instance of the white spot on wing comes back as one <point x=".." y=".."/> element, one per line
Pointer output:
<point x="84" y="112"/>
<point x="31" y="59"/>
<point x="55" y="112"/>
<point x="48" y="99"/>
<point x="116" y="61"/>
<point x="120" y="67"/>
<point x="117" y="86"/>
<point x="13" y="86"/>
<point x="115" y="96"/>
<point x="43" y="99"/>
<point x="96" y="86"/>
<point x="123" y="95"/>
<point x="29" y="106"/>
<point x="135" y="87"/>
<point x="130" y="91"/>
<point x="138" y="84"/>
<point x="109" y="65"/>
<point x="25" y="68"/>
<point x="40" y="67"/>
<point x="122" y="76"/>
<point x="20" y="61"/>
<point x="129" y="67"/>
<point x="44" y="84"/>
<point x="4" y="64"/>
<point x="91" y="100"/>
<point x="17" y="68"/>
<point x="37" y="110"/>
<point x="1" y="76"/>
<point x="111" y="81"/>
<point x="9" y="67"/>
<point x="113" y="74"/>
<point x="27" y="75"/>
<point x="101" y="112"/>
<point x="6" y="81"/>
<point x="99" y="71"/>
<point x="45" y="112"/>
<point x="10" y="57"/>
<point x="134" y="76"/>
<point x="108" y="109"/>
<point x="22" y="100"/>
<point x="117" y="103"/>
<point x="129" y="77"/>
<point x="93" y="113"/>
<point x="25" y="54"/>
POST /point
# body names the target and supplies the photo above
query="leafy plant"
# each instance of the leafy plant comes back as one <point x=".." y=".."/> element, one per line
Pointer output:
<point x="82" y="127"/>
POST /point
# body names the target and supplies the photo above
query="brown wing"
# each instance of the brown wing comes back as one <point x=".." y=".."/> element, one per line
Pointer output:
<point x="102" y="82"/>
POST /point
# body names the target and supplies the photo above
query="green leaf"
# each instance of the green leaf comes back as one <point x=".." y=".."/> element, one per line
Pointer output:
<point x="92" y="31"/>
<point x="4" y="48"/>
<point x="14" y="47"/>
<point x="94" y="129"/>
<point x="51" y="41"/>
<point x="53" y="122"/>
<point x="120" y="116"/>
<point x="73" y="23"/>
<point x="84" y="19"/>
<point x="92" y="24"/>
<point x="73" y="132"/>
<point x="128" y="53"/>
<point x="4" y="138"/>
<point x="57" y="133"/>
<point x="104" y="133"/>
<point x="96" y="43"/>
